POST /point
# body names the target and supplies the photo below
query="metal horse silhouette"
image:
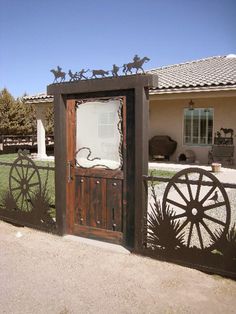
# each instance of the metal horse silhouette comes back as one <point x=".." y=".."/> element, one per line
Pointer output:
<point x="58" y="74"/>
<point x="227" y="131"/>
<point x="136" y="64"/>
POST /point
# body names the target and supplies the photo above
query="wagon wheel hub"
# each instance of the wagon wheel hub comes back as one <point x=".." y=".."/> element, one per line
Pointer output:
<point x="195" y="212"/>
<point x="24" y="185"/>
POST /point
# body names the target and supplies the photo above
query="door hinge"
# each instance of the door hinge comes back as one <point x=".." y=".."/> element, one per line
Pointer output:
<point x="69" y="176"/>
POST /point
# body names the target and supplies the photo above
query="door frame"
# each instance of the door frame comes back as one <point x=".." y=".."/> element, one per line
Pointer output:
<point x="136" y="87"/>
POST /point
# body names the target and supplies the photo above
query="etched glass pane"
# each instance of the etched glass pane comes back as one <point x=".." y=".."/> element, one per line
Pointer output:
<point x="98" y="134"/>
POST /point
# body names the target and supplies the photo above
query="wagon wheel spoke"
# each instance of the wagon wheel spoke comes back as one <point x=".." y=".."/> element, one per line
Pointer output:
<point x="208" y="230"/>
<point x="176" y="204"/>
<point x="16" y="188"/>
<point x="219" y="222"/>
<point x="27" y="203"/>
<point x="190" y="234"/>
<point x="208" y="194"/>
<point x="31" y="176"/>
<point x="18" y="196"/>
<point x="208" y="207"/>
<point x="27" y="169"/>
<point x="19" y="175"/>
<point x="183" y="225"/>
<point x="22" y="169"/>
<point x="199" y="186"/>
<point x="199" y="235"/>
<point x="178" y="216"/>
<point x="16" y="180"/>
<point x="33" y="184"/>
<point x="22" y="201"/>
<point x="189" y="187"/>
<point x="180" y="193"/>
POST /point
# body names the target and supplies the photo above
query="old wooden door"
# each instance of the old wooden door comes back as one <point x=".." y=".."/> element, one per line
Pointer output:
<point x="96" y="168"/>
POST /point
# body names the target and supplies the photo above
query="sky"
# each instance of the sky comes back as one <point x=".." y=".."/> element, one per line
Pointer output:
<point x="38" y="35"/>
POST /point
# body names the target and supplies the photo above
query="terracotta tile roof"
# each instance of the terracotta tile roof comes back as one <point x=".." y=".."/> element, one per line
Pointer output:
<point x="209" y="72"/>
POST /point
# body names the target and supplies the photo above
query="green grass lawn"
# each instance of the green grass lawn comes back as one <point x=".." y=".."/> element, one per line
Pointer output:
<point x="161" y="173"/>
<point x="46" y="177"/>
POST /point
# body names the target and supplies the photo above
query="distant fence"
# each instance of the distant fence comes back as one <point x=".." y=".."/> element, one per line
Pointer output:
<point x="191" y="220"/>
<point x="11" y="143"/>
<point x="27" y="195"/>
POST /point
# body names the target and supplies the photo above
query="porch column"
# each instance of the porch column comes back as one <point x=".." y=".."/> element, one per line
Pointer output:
<point x="41" y="125"/>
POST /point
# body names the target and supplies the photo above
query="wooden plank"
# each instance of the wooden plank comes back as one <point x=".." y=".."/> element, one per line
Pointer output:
<point x="60" y="162"/>
<point x="97" y="203"/>
<point x="70" y="148"/>
<point x="114" y="205"/>
<point x="121" y="217"/>
<point x="103" y="85"/>
<point x="141" y="161"/>
<point x="97" y="233"/>
<point x="99" y="173"/>
<point x="128" y="217"/>
<point x="82" y="201"/>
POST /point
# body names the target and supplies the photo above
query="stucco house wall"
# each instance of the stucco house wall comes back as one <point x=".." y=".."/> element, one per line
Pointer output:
<point x="166" y="117"/>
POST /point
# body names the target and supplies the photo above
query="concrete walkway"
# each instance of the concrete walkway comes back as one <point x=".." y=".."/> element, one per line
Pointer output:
<point x="43" y="273"/>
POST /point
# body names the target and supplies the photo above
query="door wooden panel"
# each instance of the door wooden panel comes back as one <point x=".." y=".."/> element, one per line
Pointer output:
<point x="114" y="205"/>
<point x="81" y="201"/>
<point x="97" y="206"/>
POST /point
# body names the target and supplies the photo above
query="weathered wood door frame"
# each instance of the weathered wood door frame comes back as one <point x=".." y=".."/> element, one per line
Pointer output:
<point x="138" y="85"/>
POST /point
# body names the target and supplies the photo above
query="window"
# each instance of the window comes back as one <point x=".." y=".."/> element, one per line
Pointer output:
<point x="198" y="126"/>
<point x="99" y="134"/>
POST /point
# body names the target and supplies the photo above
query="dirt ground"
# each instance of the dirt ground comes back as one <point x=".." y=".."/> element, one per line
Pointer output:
<point x="43" y="273"/>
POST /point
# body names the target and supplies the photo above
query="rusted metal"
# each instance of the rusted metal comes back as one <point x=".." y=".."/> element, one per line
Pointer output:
<point x="136" y="64"/>
<point x="192" y="224"/>
<point x="193" y="208"/>
<point x="26" y="200"/>
<point x="58" y="74"/>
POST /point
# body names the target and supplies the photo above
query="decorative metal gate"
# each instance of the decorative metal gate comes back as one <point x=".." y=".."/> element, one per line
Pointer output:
<point x="26" y="200"/>
<point x="192" y="222"/>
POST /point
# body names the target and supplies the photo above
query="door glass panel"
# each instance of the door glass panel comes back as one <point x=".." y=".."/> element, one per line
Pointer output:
<point x="99" y="134"/>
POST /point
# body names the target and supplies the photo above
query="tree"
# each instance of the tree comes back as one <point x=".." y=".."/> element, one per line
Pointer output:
<point x="16" y="118"/>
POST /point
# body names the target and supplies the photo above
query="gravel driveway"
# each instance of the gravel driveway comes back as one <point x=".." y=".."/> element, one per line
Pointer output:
<point x="43" y="273"/>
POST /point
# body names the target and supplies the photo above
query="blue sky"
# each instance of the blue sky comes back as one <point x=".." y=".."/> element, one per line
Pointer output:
<point x="38" y="35"/>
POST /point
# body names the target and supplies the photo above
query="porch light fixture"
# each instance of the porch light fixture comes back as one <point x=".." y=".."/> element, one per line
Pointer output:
<point x="191" y="105"/>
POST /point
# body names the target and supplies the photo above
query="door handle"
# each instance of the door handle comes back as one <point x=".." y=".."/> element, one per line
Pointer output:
<point x="69" y="165"/>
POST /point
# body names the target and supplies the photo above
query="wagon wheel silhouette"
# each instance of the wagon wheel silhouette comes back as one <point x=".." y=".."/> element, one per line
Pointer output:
<point x="201" y="206"/>
<point x="24" y="182"/>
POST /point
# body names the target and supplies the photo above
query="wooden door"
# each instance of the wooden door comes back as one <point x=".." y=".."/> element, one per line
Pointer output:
<point x="96" y="168"/>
